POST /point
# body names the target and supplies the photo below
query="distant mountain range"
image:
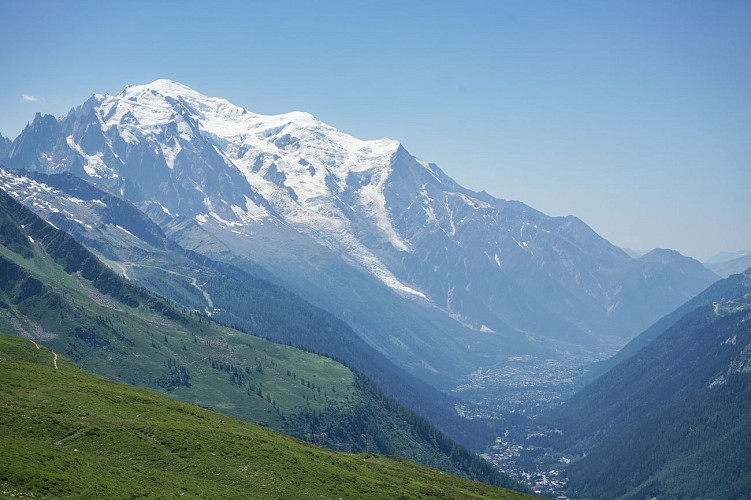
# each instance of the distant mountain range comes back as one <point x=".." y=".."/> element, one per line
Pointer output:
<point x="442" y="280"/>
<point x="727" y="264"/>
<point x="721" y="257"/>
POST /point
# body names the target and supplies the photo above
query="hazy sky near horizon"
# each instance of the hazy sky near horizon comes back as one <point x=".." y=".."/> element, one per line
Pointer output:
<point x="633" y="115"/>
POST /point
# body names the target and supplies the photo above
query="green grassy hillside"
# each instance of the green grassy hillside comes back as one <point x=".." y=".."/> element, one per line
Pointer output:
<point x="55" y="291"/>
<point x="69" y="433"/>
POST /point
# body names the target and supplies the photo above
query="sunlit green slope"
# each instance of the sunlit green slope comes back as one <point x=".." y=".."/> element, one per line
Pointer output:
<point x="69" y="433"/>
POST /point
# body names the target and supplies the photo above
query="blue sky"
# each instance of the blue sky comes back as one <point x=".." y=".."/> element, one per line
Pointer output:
<point x="633" y="115"/>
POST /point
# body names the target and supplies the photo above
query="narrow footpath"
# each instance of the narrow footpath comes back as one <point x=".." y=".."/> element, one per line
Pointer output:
<point x="54" y="360"/>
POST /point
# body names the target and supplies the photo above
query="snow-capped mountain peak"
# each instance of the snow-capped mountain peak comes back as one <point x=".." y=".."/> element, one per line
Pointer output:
<point x="290" y="181"/>
<point x="162" y="101"/>
<point x="289" y="167"/>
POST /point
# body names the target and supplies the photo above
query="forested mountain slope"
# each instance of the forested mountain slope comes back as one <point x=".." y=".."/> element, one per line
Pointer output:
<point x="720" y="291"/>
<point x="673" y="420"/>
